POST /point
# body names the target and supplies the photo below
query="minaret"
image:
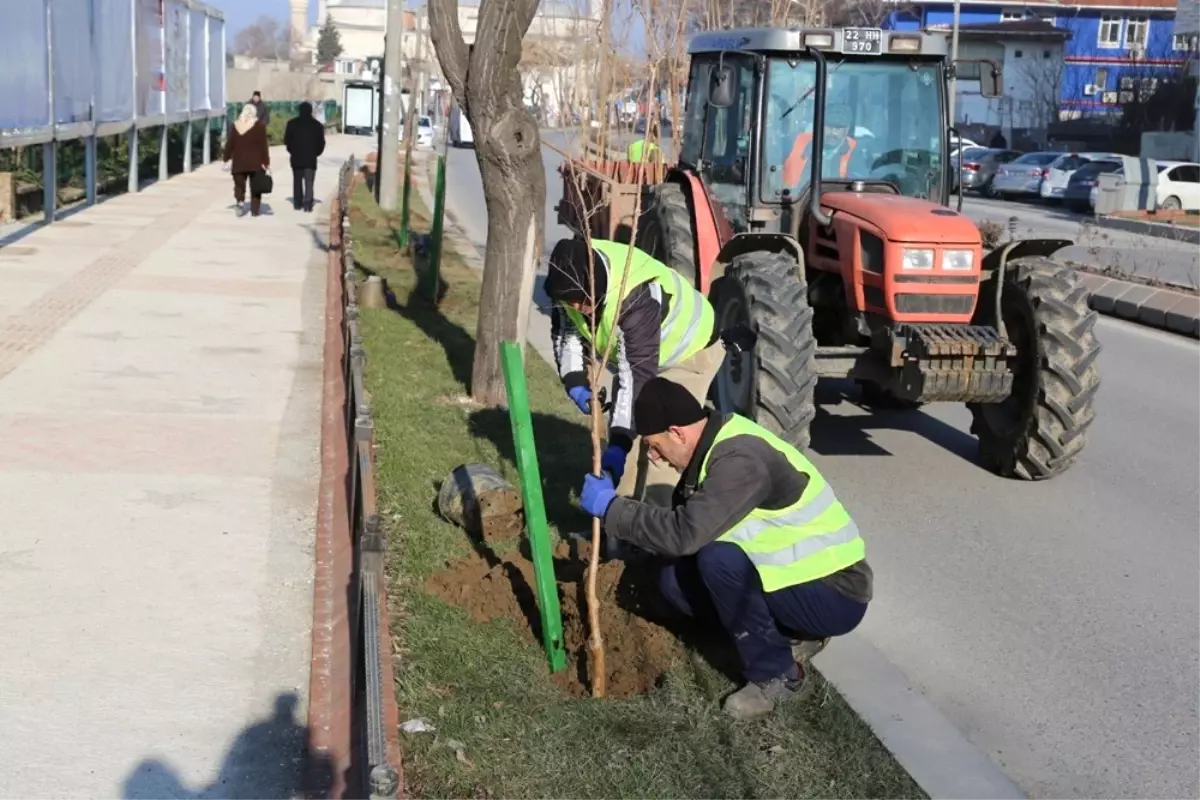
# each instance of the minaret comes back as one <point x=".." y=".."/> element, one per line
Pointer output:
<point x="299" y="17"/>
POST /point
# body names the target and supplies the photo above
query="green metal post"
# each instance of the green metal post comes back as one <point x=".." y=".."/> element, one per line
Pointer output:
<point x="535" y="508"/>
<point x="435" y="238"/>
<point x="404" y="200"/>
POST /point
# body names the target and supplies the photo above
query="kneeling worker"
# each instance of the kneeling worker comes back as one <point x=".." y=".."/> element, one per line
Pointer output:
<point x="756" y="537"/>
<point x="662" y="326"/>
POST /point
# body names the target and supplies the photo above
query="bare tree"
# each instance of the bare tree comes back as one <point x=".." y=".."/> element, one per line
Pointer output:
<point x="1036" y="111"/>
<point x="266" y="38"/>
<point x="486" y="83"/>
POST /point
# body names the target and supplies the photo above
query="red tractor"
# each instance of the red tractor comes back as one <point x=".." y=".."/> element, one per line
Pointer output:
<point x="811" y="201"/>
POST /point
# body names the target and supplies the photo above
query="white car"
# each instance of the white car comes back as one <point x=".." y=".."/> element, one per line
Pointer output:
<point x="1056" y="176"/>
<point x="425" y="132"/>
<point x="957" y="145"/>
<point x="1178" y="186"/>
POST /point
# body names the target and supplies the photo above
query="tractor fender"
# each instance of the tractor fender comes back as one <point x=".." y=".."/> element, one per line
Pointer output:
<point x="711" y="228"/>
<point x="755" y="242"/>
<point x="999" y="258"/>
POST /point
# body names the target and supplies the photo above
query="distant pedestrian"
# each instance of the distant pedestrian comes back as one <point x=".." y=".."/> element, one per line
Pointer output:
<point x="304" y="138"/>
<point x="998" y="141"/>
<point x="250" y="153"/>
<point x="264" y="113"/>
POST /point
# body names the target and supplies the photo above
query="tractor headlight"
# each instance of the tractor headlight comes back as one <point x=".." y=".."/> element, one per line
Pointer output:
<point x="917" y="259"/>
<point x="958" y="259"/>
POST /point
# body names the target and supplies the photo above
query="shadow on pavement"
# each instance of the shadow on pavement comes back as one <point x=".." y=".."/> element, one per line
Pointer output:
<point x="849" y="435"/>
<point x="266" y="760"/>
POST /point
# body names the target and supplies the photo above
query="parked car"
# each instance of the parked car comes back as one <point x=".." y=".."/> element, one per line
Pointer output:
<point x="966" y="155"/>
<point x="1058" y="173"/>
<point x="424" y="132"/>
<point x="978" y="170"/>
<point x="1078" y="194"/>
<point x="1022" y="177"/>
<point x="1178" y="186"/>
<point x="958" y="145"/>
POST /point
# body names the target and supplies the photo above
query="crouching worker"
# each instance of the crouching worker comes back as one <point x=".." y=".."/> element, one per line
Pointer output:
<point x="662" y="326"/>
<point x="756" y="537"/>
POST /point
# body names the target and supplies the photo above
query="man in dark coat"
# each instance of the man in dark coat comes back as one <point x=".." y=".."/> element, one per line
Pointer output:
<point x="304" y="138"/>
<point x="264" y="113"/>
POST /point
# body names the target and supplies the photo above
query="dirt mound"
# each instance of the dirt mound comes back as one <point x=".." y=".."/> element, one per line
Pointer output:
<point x="638" y="651"/>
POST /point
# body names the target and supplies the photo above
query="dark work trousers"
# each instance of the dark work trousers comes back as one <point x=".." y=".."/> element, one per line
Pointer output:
<point x="302" y="187"/>
<point x="240" y="179"/>
<point x="720" y="581"/>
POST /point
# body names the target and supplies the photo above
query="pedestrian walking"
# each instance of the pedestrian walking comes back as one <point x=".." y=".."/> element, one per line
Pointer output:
<point x="264" y="113"/>
<point x="304" y="138"/>
<point x="250" y="153"/>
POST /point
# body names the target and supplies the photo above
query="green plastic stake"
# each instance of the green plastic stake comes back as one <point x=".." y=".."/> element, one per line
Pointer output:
<point x="435" y="238"/>
<point x="404" y="201"/>
<point x="535" y="508"/>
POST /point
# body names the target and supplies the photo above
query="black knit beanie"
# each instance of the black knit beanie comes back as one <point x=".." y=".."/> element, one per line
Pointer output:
<point x="567" y="274"/>
<point x="664" y="404"/>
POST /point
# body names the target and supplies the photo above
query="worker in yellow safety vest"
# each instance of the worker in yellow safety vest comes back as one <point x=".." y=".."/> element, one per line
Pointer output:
<point x="755" y="536"/>
<point x="657" y="324"/>
<point x="645" y="148"/>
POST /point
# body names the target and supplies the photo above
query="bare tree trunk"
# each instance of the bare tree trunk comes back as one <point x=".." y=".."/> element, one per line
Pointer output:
<point x="486" y="83"/>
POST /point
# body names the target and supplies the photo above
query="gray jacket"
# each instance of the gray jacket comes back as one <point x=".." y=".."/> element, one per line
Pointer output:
<point x="744" y="473"/>
<point x="634" y="358"/>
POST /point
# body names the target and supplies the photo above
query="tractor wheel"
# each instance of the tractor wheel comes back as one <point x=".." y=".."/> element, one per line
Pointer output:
<point x="665" y="231"/>
<point x="1039" y="431"/>
<point x="773" y="383"/>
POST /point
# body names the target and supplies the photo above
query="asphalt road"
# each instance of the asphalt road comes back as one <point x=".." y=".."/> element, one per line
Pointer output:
<point x="1058" y="623"/>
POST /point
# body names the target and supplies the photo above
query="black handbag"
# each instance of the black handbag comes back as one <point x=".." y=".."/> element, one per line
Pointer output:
<point x="261" y="182"/>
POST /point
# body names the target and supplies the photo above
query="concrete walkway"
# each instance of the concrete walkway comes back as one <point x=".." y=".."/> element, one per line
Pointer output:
<point x="160" y="368"/>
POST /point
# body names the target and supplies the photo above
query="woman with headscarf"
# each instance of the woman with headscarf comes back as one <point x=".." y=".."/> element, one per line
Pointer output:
<point x="248" y="149"/>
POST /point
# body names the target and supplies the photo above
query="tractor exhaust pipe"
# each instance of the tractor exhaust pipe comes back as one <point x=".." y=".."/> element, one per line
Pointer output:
<point x="818" y="139"/>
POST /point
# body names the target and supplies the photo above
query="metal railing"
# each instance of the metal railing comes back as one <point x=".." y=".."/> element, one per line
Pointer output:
<point x="84" y="69"/>
<point x="370" y="637"/>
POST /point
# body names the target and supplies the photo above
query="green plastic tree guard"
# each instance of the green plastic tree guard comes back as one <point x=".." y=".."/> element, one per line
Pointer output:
<point x="404" y="201"/>
<point x="535" y="508"/>
<point x="435" y="239"/>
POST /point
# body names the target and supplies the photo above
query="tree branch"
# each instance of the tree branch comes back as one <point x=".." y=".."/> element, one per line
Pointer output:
<point x="448" y="44"/>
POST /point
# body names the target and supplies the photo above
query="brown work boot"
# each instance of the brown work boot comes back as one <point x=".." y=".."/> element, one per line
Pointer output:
<point x="803" y="650"/>
<point x="759" y="698"/>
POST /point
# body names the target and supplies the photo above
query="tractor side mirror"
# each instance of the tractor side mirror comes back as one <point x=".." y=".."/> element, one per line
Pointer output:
<point x="991" y="82"/>
<point x="720" y="87"/>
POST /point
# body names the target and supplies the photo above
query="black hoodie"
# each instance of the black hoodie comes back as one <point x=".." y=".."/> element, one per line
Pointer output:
<point x="304" y="138"/>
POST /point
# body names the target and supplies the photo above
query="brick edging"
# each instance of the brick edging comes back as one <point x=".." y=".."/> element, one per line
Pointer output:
<point x="329" y="699"/>
<point x="1166" y="309"/>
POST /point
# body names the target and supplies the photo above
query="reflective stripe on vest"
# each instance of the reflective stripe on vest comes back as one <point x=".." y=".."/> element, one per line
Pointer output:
<point x="689" y="322"/>
<point x="637" y="149"/>
<point x="797" y="160"/>
<point x="809" y="539"/>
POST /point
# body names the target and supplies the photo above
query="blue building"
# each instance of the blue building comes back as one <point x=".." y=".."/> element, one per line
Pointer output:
<point x="1116" y="51"/>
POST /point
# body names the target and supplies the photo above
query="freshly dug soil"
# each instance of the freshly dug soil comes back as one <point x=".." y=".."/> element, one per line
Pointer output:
<point x="637" y="651"/>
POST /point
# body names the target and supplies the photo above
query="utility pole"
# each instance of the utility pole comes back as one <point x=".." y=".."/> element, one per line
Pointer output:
<point x="389" y="146"/>
<point x="952" y="100"/>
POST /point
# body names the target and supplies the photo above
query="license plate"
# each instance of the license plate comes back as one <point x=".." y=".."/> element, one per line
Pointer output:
<point x="862" y="41"/>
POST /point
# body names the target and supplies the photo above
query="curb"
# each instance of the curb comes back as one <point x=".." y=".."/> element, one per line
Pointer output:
<point x="1161" y="230"/>
<point x="1165" y="309"/>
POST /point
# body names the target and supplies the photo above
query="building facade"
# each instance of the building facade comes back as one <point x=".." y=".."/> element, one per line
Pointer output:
<point x="1114" y="52"/>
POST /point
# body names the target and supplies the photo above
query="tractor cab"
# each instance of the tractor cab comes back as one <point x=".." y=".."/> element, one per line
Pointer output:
<point x="769" y="110"/>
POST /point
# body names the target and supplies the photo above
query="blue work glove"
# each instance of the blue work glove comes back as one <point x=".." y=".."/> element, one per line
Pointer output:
<point x="582" y="396"/>
<point x="598" y="493"/>
<point x="613" y="461"/>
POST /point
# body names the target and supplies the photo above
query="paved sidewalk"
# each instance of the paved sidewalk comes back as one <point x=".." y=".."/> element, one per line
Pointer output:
<point x="160" y="382"/>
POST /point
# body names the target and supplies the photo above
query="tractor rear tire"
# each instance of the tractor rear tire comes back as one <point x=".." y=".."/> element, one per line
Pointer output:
<point x="665" y="231"/>
<point x="773" y="384"/>
<point x="1040" y="430"/>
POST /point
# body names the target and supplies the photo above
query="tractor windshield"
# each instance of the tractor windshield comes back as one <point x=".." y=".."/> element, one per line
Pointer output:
<point x="883" y="122"/>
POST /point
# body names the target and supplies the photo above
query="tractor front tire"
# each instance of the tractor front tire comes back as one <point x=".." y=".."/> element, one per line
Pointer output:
<point x="665" y="231"/>
<point x="1040" y="430"/>
<point x="774" y="383"/>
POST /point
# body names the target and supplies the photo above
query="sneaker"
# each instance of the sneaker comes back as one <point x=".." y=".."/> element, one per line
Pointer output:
<point x="759" y="698"/>
<point x="241" y="209"/>
<point x="804" y="650"/>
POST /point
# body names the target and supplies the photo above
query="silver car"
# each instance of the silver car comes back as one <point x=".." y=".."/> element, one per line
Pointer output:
<point x="1022" y="177"/>
<point x="978" y="171"/>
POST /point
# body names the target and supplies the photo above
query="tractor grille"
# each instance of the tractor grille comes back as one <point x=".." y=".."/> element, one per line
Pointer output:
<point x="934" y="303"/>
